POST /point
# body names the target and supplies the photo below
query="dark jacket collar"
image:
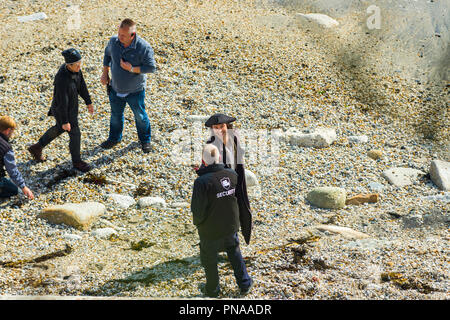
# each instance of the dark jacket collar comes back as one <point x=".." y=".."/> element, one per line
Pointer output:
<point x="211" y="168"/>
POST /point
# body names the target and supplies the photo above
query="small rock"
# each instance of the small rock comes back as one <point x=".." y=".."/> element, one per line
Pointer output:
<point x="78" y="215"/>
<point x="122" y="201"/>
<point x="197" y="118"/>
<point x="358" y="139"/>
<point x="375" y="186"/>
<point x="33" y="17"/>
<point x="440" y="174"/>
<point x="103" y="233"/>
<point x="180" y="205"/>
<point x="152" y="202"/>
<point x="362" y="198"/>
<point x="327" y="197"/>
<point x="375" y="154"/>
<point x="401" y="177"/>
<point x="250" y="178"/>
<point x="319" y="18"/>
<point x="73" y="237"/>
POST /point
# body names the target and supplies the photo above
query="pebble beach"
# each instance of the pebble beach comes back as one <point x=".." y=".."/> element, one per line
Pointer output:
<point x="259" y="63"/>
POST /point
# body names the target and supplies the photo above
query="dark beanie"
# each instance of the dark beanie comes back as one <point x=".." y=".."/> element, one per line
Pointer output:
<point x="71" y="55"/>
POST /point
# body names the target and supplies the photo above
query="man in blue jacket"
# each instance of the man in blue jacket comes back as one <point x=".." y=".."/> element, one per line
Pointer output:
<point x="130" y="58"/>
<point x="216" y="215"/>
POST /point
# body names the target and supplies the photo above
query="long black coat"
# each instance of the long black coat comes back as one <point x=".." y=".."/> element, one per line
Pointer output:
<point x="67" y="86"/>
<point x="245" y="214"/>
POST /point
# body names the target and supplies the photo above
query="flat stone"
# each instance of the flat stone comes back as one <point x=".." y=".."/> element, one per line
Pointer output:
<point x="197" y="118"/>
<point x="375" y="186"/>
<point x="344" y="231"/>
<point x="122" y="201"/>
<point x="358" y="139"/>
<point x="327" y="197"/>
<point x="362" y="198"/>
<point x="73" y="237"/>
<point x="440" y="174"/>
<point x="152" y="202"/>
<point x="401" y="177"/>
<point x="318" y="18"/>
<point x="103" y="233"/>
<point x="32" y="17"/>
<point x="77" y="215"/>
<point x="320" y="138"/>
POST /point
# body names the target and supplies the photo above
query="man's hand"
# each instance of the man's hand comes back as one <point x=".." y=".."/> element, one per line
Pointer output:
<point x="28" y="193"/>
<point x="66" y="126"/>
<point x="125" y="65"/>
<point x="104" y="79"/>
<point x="90" y="109"/>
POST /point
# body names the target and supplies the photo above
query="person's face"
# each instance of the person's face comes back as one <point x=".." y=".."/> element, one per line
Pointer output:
<point x="126" y="35"/>
<point x="9" y="133"/>
<point x="220" y="129"/>
<point x="75" y="67"/>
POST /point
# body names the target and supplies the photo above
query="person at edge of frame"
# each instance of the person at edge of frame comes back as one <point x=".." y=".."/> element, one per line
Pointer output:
<point x="68" y="84"/>
<point x="10" y="188"/>
<point x="216" y="215"/>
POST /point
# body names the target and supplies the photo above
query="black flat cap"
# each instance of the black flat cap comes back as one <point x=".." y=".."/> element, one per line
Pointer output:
<point x="219" y="118"/>
<point x="71" y="55"/>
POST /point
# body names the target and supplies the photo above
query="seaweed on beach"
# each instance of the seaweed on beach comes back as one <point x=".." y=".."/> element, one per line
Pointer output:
<point x="95" y="179"/>
<point x="59" y="253"/>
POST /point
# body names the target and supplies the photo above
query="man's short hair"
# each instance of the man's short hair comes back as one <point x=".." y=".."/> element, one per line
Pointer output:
<point x="127" y="23"/>
<point x="211" y="154"/>
<point x="7" y="122"/>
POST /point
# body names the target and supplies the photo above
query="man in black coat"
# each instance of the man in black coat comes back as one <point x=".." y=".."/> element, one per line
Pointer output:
<point x="68" y="84"/>
<point x="216" y="215"/>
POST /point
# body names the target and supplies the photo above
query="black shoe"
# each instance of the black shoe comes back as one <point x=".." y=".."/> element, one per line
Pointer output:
<point x="248" y="289"/>
<point x="108" y="144"/>
<point x="82" y="166"/>
<point x="146" y="147"/>
<point x="202" y="288"/>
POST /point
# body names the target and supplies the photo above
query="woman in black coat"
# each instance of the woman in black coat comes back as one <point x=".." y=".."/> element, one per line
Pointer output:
<point x="226" y="139"/>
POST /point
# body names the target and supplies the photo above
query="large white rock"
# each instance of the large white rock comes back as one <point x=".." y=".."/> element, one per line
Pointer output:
<point x="440" y="174"/>
<point x="319" y="138"/>
<point x="319" y="18"/>
<point x="152" y="202"/>
<point x="401" y="177"/>
<point x="250" y="178"/>
<point x="121" y="201"/>
<point x="78" y="215"/>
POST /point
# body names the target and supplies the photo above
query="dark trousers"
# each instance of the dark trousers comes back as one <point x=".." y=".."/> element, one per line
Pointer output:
<point x="208" y="258"/>
<point x="7" y="188"/>
<point x="74" y="136"/>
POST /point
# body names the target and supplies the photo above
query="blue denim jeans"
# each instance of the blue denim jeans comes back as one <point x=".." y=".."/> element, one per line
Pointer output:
<point x="208" y="258"/>
<point x="137" y="105"/>
<point x="7" y="188"/>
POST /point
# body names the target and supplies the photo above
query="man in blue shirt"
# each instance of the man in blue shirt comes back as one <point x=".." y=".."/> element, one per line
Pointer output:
<point x="7" y="161"/>
<point x="130" y="58"/>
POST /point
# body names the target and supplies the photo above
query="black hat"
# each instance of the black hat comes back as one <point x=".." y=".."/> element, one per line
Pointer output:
<point x="219" y="118"/>
<point x="71" y="55"/>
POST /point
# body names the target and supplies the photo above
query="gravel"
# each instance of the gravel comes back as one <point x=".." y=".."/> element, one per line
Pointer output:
<point x="236" y="58"/>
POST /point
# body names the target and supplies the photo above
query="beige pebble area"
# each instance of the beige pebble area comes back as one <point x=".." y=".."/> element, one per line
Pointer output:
<point x="252" y="60"/>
